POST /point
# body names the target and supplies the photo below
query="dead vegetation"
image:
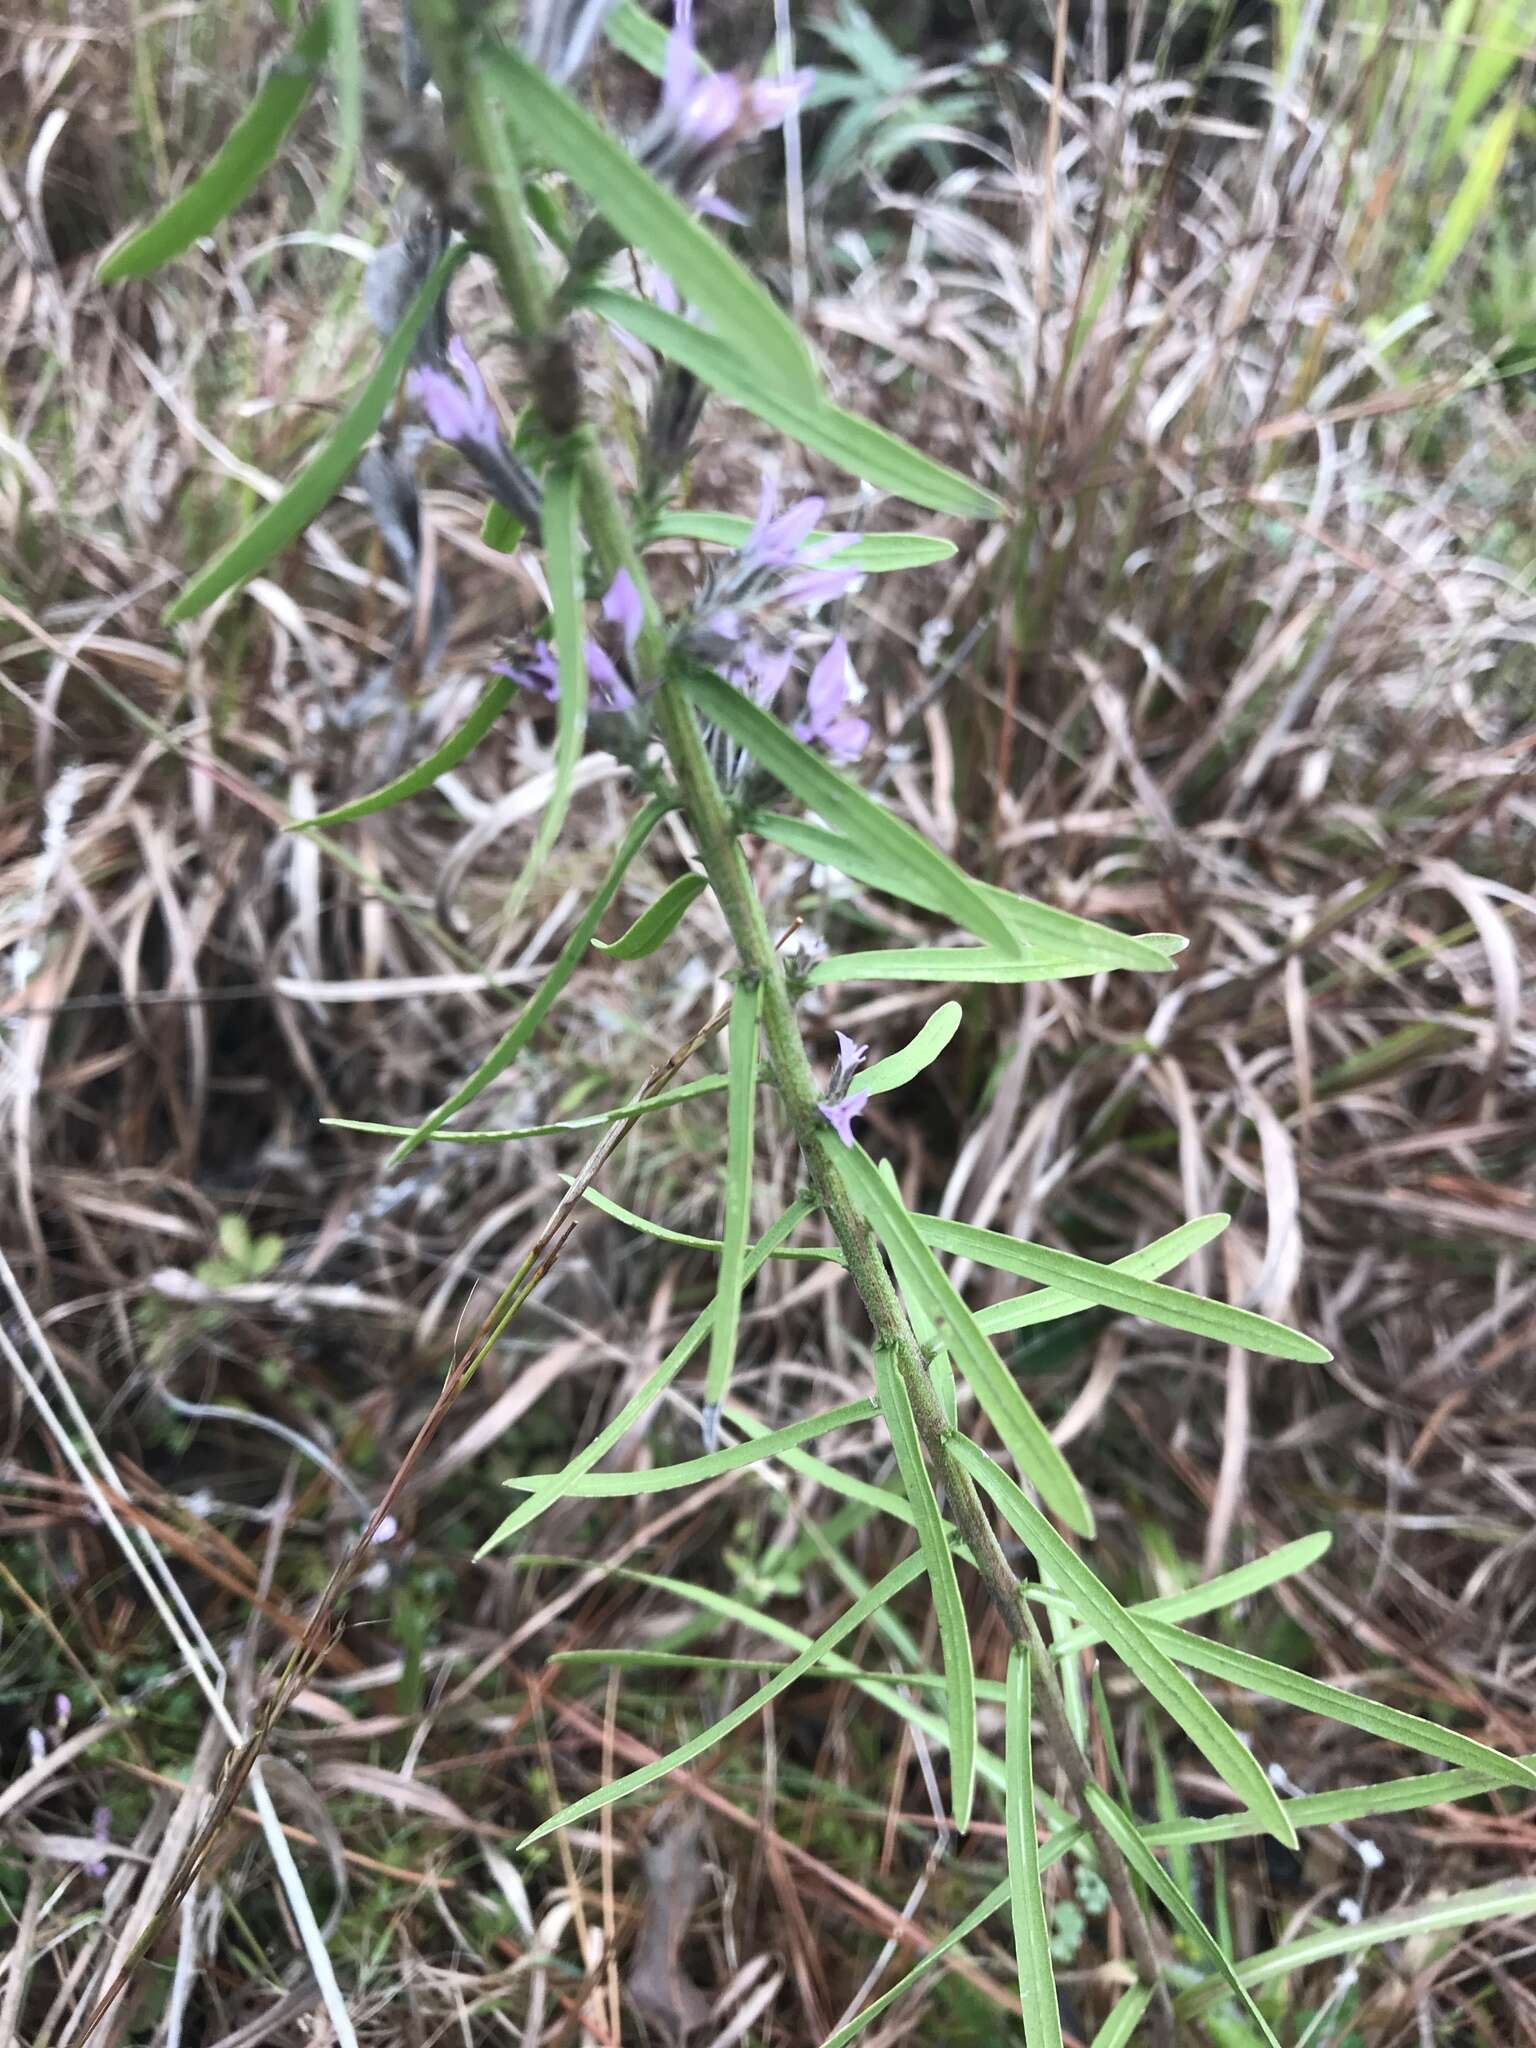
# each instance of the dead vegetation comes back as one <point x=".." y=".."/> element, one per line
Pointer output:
<point x="1252" y="663"/>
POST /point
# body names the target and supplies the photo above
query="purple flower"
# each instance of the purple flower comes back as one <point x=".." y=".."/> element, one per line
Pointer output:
<point x="828" y="723"/>
<point x="777" y="537"/>
<point x="61" y="1710"/>
<point x="459" y="407"/>
<point x="840" y="1115"/>
<point x="37" y="1744"/>
<point x="850" y="1057"/>
<point x="609" y="688"/>
<point x="624" y="608"/>
<point x="704" y="114"/>
<point x="538" y="672"/>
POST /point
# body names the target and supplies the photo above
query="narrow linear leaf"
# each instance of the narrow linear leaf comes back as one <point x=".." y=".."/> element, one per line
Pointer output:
<point x="1031" y="1933"/>
<point x="347" y="71"/>
<point x="1162" y="1887"/>
<point x="728" y="363"/>
<point x="949" y="1609"/>
<point x="1150" y="1262"/>
<point x="691" y="1471"/>
<point x="843" y="803"/>
<point x="1512" y="1900"/>
<point x="873" y="554"/>
<point x="247" y="150"/>
<point x="1133" y="1643"/>
<point x="961" y="1931"/>
<point x="854" y="1617"/>
<point x="554" y="1490"/>
<point x="811" y="1254"/>
<point x="325" y="472"/>
<point x="538" y="1005"/>
<point x="501" y="529"/>
<point x="644" y="41"/>
<point x="1038" y="926"/>
<point x="1118" y="2030"/>
<point x="1273" y="1681"/>
<point x="653" y="927"/>
<point x="1114" y="1287"/>
<point x="647" y="1105"/>
<point x="1223" y="1591"/>
<point x="1021" y="1430"/>
<point x="965" y="964"/>
<point x="562" y="560"/>
<point x="456" y="748"/>
<point x="741" y="1115"/>
<point x="1492" y="57"/>
<point x="1472" y="197"/>
<point x="548" y="122"/>
<point x="898" y="1068"/>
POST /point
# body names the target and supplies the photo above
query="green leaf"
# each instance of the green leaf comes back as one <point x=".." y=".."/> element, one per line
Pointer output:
<point x="539" y="1004"/>
<point x="554" y="1489"/>
<point x="741" y="1060"/>
<point x="824" y="1254"/>
<point x="872" y="554"/>
<point x="1492" y="57"/>
<point x="646" y="1105"/>
<point x="644" y="41"/>
<point x="1116" y="1288"/>
<point x="456" y="748"/>
<point x="843" y="803"/>
<point x="938" y="1559"/>
<point x="1037" y="926"/>
<point x="854" y="1617"/>
<point x="1031" y="1933"/>
<point x="562" y="560"/>
<point x="1211" y="1595"/>
<point x="1022" y="1431"/>
<point x="325" y="472"/>
<point x="1132" y="1641"/>
<point x="550" y="123"/>
<point x="1162" y="1886"/>
<point x="961" y="1931"/>
<point x="501" y="529"/>
<point x="347" y="71"/>
<point x="728" y="364"/>
<point x="250" y="146"/>
<point x="1472" y="198"/>
<point x="1049" y="1304"/>
<point x="898" y="1068"/>
<point x="963" y="964"/>
<point x="653" y="927"/>
<point x="1118" y="2030"/>
<point x="1312" y="1696"/>
<point x="692" y="1471"/>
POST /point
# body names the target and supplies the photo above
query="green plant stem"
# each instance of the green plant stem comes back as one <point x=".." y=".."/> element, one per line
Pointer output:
<point x="481" y="138"/>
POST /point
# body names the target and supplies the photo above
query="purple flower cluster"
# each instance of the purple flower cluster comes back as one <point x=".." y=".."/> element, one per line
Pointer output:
<point x="539" y="671"/>
<point x="840" y="1107"/>
<point x="704" y="115"/>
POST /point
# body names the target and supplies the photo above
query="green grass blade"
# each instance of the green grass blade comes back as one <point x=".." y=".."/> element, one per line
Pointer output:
<point x="249" y="147"/>
<point x="562" y="560"/>
<point x="1471" y="200"/>
<point x="731" y="367"/>
<point x="853" y="1617"/>
<point x="456" y="748"/>
<point x="1021" y="1430"/>
<point x="554" y="1488"/>
<point x="741" y="1119"/>
<point x="898" y="1068"/>
<point x="1150" y="1262"/>
<point x="843" y="803"/>
<point x="1493" y="55"/>
<point x="809" y="1254"/>
<point x="549" y="124"/>
<point x="644" y="41"/>
<point x="949" y="1609"/>
<point x="1037" y="926"/>
<point x="647" y="1105"/>
<point x="1163" y="1888"/>
<point x="1273" y="1681"/>
<point x="1031" y="1933"/>
<point x="1241" y="1583"/>
<point x="325" y="472"/>
<point x="693" y="1471"/>
<point x="984" y="964"/>
<point x="961" y="1931"/>
<point x="1120" y="2028"/>
<point x="653" y="927"/>
<point x="872" y="554"/>
<point x="347" y="71"/>
<point x="538" y="1005"/>
<point x="1114" y="1287"/>
<point x="1133" y="1642"/>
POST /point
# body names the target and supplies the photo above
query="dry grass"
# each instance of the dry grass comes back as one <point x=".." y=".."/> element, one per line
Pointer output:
<point x="1254" y="663"/>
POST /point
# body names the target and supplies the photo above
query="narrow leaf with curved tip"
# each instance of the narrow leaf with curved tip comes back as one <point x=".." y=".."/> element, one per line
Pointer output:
<point x="1132" y="1642"/>
<point x="741" y="1121"/>
<point x="327" y="469"/>
<point x="854" y="1617"/>
<point x="646" y="1105"/>
<point x="247" y="150"/>
<point x="538" y="1005"/>
<point x="456" y="748"/>
<point x="1031" y="1932"/>
<point x="948" y="1608"/>
<point x="898" y="1068"/>
<point x="693" y="1471"/>
<point x="1150" y="1262"/>
<point x="653" y="927"/>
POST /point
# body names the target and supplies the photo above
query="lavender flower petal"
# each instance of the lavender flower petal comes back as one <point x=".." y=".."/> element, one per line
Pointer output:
<point x="840" y="1115"/>
<point x="622" y="607"/>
